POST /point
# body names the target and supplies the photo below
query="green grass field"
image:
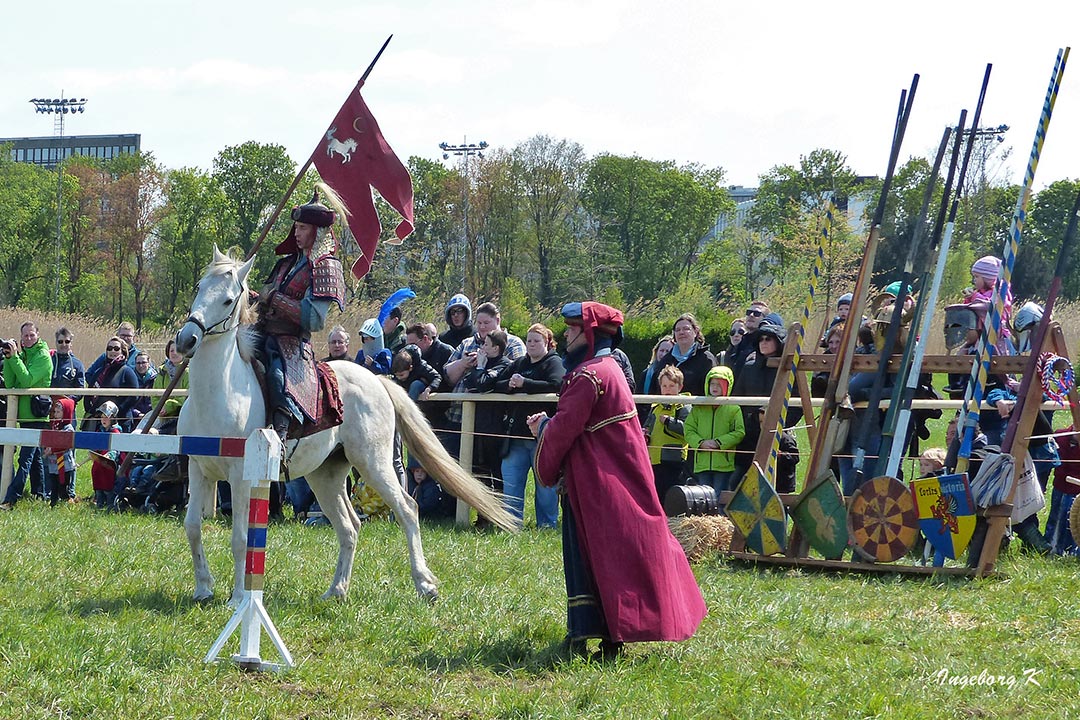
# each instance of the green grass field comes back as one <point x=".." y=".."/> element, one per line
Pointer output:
<point x="96" y="621"/>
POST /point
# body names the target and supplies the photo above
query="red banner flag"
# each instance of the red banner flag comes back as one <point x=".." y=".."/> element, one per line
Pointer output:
<point x="354" y="157"/>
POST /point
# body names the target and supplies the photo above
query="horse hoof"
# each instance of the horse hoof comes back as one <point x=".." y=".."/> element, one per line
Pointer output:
<point x="429" y="593"/>
<point x="203" y="596"/>
<point x="234" y="601"/>
<point x="333" y="594"/>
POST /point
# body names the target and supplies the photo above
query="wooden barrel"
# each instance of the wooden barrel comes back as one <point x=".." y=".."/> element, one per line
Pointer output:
<point x="691" y="500"/>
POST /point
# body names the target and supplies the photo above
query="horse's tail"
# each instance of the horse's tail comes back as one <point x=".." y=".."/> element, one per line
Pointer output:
<point x="425" y="447"/>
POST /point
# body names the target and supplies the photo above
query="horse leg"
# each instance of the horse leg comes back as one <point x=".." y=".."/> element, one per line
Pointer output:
<point x="198" y="487"/>
<point x="381" y="477"/>
<point x="241" y="496"/>
<point x="328" y="484"/>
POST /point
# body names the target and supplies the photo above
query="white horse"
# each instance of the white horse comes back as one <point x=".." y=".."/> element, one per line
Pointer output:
<point x="224" y="400"/>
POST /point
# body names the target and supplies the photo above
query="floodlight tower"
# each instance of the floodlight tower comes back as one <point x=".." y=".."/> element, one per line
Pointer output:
<point x="465" y="150"/>
<point x="59" y="107"/>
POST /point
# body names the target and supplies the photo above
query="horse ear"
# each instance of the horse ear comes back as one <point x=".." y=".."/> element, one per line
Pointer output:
<point x="218" y="257"/>
<point x="244" y="269"/>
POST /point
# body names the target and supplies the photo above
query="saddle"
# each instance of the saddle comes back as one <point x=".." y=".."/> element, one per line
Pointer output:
<point x="314" y="389"/>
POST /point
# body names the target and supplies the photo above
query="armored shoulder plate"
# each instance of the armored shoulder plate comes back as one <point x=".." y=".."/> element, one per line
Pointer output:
<point x="327" y="280"/>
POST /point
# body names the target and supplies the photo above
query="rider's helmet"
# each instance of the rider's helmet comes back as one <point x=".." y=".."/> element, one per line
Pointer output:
<point x="961" y="318"/>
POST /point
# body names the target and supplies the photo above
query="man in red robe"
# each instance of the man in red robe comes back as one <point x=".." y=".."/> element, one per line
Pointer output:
<point x="627" y="579"/>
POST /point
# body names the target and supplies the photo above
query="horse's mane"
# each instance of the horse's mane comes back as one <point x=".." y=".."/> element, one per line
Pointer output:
<point x="248" y="339"/>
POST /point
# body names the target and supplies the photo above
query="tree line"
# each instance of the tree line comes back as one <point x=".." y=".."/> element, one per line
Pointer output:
<point x="541" y="222"/>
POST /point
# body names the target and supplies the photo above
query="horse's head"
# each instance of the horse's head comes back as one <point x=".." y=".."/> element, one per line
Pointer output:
<point x="220" y="304"/>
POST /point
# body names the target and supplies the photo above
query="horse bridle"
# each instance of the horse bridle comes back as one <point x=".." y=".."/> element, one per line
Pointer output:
<point x="210" y="330"/>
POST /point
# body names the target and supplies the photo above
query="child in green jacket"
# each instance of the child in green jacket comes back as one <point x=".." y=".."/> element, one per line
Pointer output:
<point x="663" y="428"/>
<point x="715" y="430"/>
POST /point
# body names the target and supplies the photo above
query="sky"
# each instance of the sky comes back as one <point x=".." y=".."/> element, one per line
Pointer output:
<point x="742" y="86"/>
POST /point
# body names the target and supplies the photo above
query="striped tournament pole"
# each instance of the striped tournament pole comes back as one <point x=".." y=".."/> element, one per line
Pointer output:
<point x="262" y="460"/>
<point x="980" y="370"/>
<point x="819" y="264"/>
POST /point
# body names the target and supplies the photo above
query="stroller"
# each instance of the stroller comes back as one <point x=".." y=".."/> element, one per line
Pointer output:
<point x="157" y="483"/>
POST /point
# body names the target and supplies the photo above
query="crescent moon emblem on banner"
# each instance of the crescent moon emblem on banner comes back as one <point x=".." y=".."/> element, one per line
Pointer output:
<point x="359" y="130"/>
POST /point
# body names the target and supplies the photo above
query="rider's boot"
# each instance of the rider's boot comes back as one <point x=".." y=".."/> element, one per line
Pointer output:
<point x="280" y="424"/>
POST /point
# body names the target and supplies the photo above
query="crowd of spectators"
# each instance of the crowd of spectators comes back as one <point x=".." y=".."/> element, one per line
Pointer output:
<point x="472" y="353"/>
<point x="29" y="362"/>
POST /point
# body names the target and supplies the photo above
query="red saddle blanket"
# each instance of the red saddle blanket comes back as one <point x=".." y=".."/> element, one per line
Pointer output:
<point x="329" y="411"/>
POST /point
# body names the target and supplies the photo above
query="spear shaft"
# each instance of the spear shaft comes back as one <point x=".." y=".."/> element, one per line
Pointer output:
<point x="1031" y="370"/>
<point x="878" y="387"/>
<point x="836" y="390"/>
<point x="898" y="418"/>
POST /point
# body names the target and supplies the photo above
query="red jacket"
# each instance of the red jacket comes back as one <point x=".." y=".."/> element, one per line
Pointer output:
<point x="103" y="474"/>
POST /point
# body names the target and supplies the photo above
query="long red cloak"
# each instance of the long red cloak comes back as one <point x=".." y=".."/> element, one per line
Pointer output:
<point x="645" y="585"/>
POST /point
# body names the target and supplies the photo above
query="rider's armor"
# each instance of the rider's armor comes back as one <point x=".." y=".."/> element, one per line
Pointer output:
<point x="295" y="301"/>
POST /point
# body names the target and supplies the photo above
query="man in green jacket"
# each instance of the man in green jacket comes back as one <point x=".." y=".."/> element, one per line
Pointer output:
<point x="28" y="367"/>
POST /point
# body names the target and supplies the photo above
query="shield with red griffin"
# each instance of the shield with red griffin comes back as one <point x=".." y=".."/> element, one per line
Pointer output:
<point x="946" y="512"/>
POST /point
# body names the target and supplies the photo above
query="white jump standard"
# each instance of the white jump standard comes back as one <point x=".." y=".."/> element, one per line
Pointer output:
<point x="262" y="460"/>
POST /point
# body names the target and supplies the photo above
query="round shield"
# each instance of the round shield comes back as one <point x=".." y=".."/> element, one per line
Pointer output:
<point x="882" y="520"/>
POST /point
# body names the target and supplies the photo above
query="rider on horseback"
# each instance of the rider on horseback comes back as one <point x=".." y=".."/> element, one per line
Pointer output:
<point x="293" y="304"/>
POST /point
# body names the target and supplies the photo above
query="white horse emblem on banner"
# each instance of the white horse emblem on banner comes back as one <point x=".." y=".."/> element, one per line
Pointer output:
<point x="343" y="148"/>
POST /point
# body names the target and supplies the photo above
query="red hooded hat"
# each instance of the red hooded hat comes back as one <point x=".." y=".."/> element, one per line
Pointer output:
<point x="594" y="318"/>
<point x="68" y="415"/>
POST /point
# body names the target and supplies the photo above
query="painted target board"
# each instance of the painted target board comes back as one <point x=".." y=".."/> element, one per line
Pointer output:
<point x="882" y="520"/>
<point x="755" y="509"/>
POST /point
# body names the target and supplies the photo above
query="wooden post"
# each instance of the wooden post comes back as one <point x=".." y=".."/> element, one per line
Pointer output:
<point x="465" y="456"/>
<point x="998" y="522"/>
<point x="775" y="410"/>
<point x="10" y="421"/>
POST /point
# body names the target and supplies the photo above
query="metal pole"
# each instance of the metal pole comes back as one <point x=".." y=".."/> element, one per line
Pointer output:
<point x="59" y="205"/>
<point x="465" y="227"/>
<point x="60" y="106"/>
<point x="464" y="151"/>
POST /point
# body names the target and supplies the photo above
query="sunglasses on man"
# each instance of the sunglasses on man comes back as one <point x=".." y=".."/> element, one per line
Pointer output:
<point x="754" y="313"/>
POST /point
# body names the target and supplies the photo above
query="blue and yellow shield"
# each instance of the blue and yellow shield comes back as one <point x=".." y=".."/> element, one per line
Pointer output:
<point x="946" y="512"/>
<point x="755" y="509"/>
